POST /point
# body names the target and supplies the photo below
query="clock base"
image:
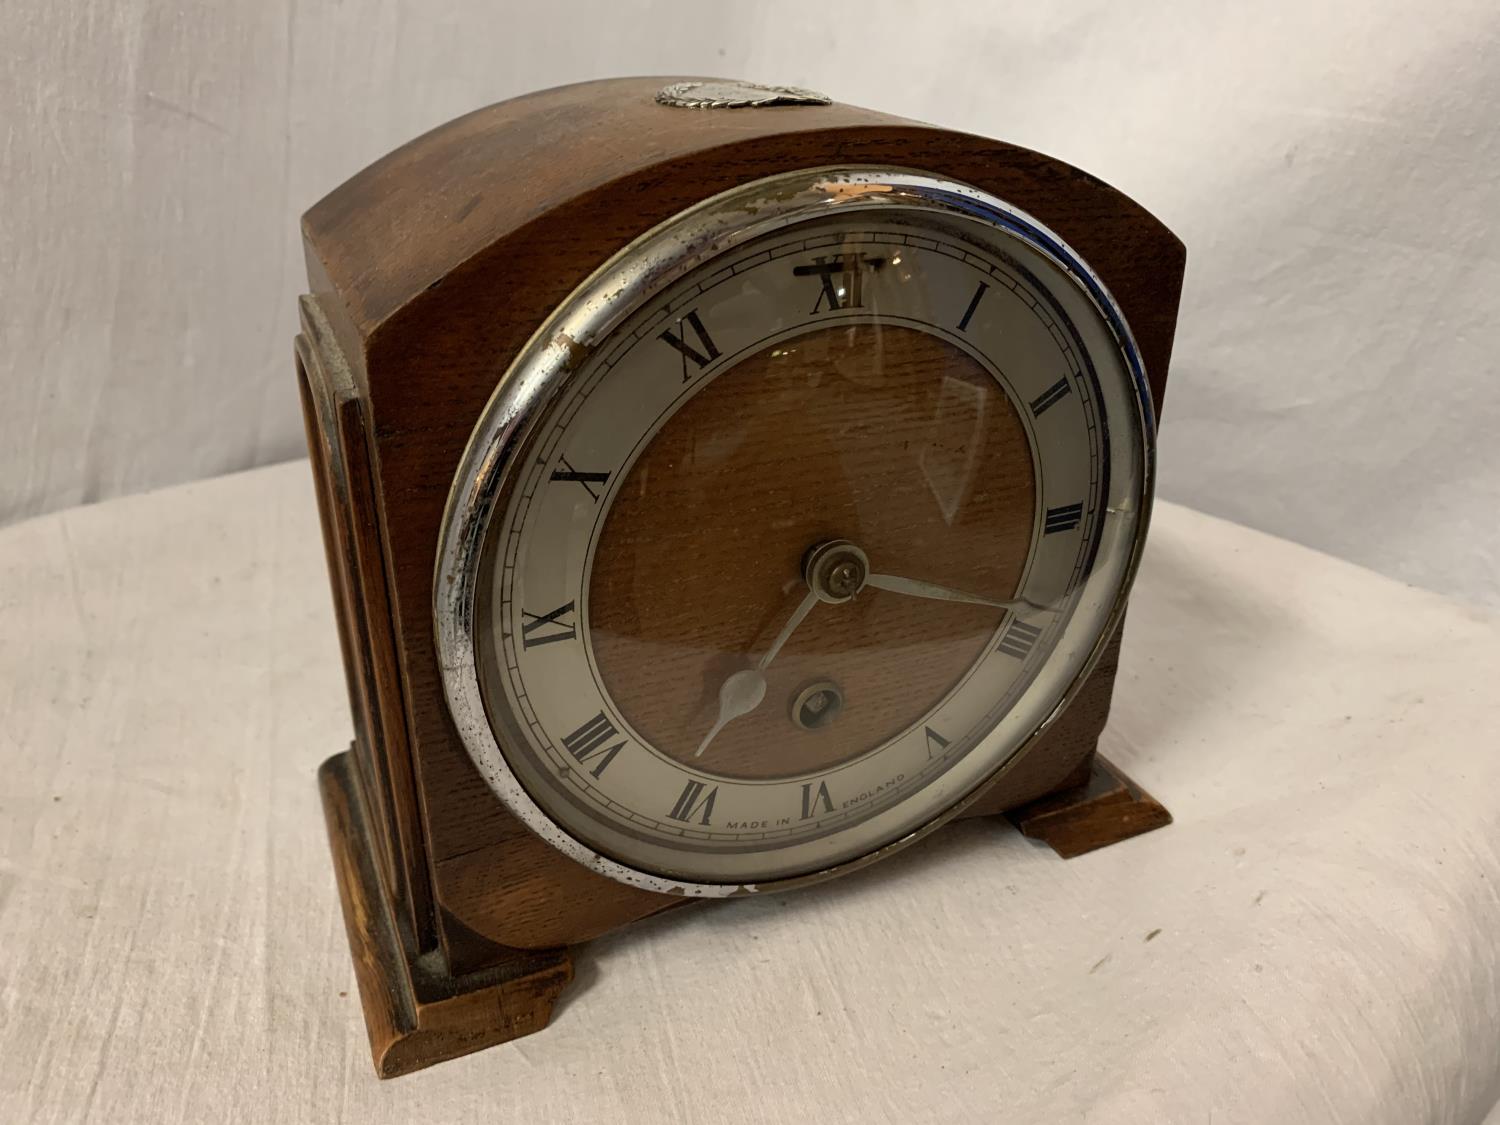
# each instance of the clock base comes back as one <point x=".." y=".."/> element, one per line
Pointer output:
<point x="416" y="1012"/>
<point x="1107" y="808"/>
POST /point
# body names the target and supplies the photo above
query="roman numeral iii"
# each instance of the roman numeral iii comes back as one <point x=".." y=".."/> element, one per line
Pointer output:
<point x="1018" y="639"/>
<point x="693" y="803"/>
<point x="588" y="742"/>
<point x="547" y="628"/>
<point x="1065" y="518"/>
<point x="704" y="352"/>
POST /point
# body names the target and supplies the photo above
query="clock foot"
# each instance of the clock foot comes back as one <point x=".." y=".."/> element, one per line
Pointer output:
<point x="1105" y="809"/>
<point x="416" y="1012"/>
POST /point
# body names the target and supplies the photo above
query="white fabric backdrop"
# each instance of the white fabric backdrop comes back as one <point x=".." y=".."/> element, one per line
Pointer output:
<point x="1311" y="942"/>
<point x="1332" y="167"/>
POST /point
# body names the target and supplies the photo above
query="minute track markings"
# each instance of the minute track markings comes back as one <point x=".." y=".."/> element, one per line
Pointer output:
<point x="1015" y="284"/>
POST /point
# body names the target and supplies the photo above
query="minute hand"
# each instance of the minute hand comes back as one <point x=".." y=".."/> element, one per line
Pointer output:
<point x="916" y="589"/>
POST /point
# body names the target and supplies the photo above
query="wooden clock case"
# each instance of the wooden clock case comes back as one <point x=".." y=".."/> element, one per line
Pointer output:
<point x="428" y="271"/>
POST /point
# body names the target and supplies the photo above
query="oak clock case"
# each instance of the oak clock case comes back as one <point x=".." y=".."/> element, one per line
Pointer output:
<point x="787" y="510"/>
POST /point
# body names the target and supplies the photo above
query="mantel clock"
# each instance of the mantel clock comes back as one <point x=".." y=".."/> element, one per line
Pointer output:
<point x="722" y="488"/>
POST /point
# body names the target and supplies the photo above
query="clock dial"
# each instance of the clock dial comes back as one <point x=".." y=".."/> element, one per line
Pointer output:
<point x="885" y="435"/>
<point x="808" y="545"/>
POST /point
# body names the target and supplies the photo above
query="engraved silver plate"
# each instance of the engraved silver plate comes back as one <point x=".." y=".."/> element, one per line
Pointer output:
<point x="736" y="95"/>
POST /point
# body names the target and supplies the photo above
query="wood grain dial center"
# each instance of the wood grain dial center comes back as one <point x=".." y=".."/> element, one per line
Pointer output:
<point x="887" y="437"/>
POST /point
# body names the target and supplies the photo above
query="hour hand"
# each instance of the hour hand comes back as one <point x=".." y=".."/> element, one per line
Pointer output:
<point x="918" y="589"/>
<point x="743" y="691"/>
<point x="740" y="694"/>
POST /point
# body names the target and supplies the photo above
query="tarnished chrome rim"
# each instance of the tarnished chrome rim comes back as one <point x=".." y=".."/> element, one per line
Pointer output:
<point x="564" y="343"/>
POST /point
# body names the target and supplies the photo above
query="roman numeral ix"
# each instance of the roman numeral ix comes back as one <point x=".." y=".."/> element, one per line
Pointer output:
<point x="588" y="741"/>
<point x="546" y="628"/>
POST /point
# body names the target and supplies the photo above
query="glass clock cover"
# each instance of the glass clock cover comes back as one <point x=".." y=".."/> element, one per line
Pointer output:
<point x="791" y="527"/>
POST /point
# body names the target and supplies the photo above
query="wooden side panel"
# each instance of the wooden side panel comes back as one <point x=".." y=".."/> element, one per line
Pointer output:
<point x="415" y="1017"/>
<point x="329" y="497"/>
<point x="319" y="418"/>
<point x="338" y="441"/>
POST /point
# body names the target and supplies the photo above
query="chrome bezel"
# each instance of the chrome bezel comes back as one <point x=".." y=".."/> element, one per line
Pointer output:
<point x="563" y="344"/>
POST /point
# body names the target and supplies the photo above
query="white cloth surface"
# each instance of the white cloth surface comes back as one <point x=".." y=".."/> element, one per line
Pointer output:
<point x="1313" y="940"/>
<point x="1331" y="166"/>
